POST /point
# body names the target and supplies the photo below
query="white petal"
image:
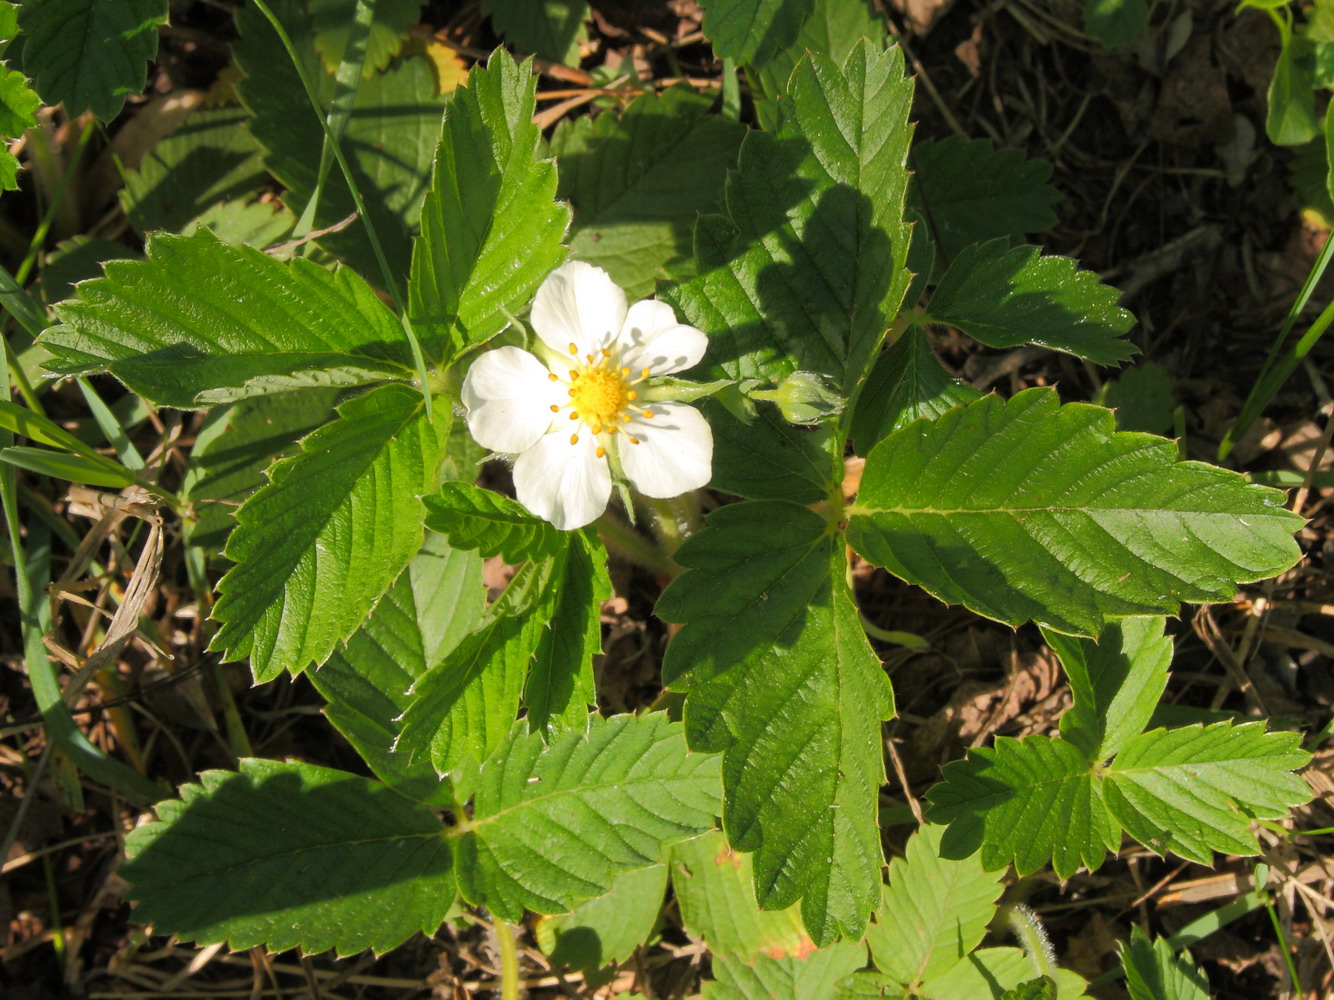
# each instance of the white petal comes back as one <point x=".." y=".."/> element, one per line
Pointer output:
<point x="567" y="484"/>
<point x="509" y="394"/>
<point x="653" y="339"/>
<point x="674" y="454"/>
<point x="578" y="304"/>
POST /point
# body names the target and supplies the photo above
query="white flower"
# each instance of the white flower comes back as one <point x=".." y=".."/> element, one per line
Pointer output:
<point x="575" y="417"/>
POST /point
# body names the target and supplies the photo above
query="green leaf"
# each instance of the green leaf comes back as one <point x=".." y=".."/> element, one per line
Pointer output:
<point x="990" y="972"/>
<point x="1042" y="988"/>
<point x="814" y="977"/>
<point x="465" y="705"/>
<point x="933" y="912"/>
<point x="552" y="825"/>
<point x="74" y="260"/>
<point x="1114" y="23"/>
<point x="808" y="268"/>
<point x="753" y="31"/>
<point x="1291" y="118"/>
<point x="243" y="223"/>
<point x="474" y="518"/>
<point x="868" y="986"/>
<point x="608" y="929"/>
<point x="907" y="383"/>
<point x="768" y="458"/>
<point x="18" y="112"/>
<point x="491" y="229"/>
<point x="1154" y="972"/>
<point x="551" y="29"/>
<point x="833" y="28"/>
<point x="88" y="53"/>
<point x="389" y="139"/>
<point x="560" y="685"/>
<point x="75" y="468"/>
<point x="317" y="546"/>
<point x="393" y="19"/>
<point x="210" y="159"/>
<point x="430" y="607"/>
<point x="1007" y="297"/>
<point x="234" y="446"/>
<point x="1142" y="398"/>
<point x="1191" y="791"/>
<point x="782" y="680"/>
<point x="1028" y="509"/>
<point x="1116" y="682"/>
<point x="968" y="191"/>
<point x="200" y="322"/>
<point x="290" y="855"/>
<point x="1194" y="790"/>
<point x="637" y="182"/>
<point x="714" y="887"/>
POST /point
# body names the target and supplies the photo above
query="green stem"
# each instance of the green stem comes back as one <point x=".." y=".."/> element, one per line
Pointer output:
<point x="625" y="541"/>
<point x="509" y="961"/>
<point x="387" y="275"/>
<point x="1025" y="925"/>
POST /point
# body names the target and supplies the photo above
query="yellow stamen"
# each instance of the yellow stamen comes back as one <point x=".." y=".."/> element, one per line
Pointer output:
<point x="554" y="377"/>
<point x="606" y="352"/>
<point x="574" y="439"/>
<point x="632" y="395"/>
<point x="555" y="408"/>
<point x="634" y="440"/>
<point x="574" y="350"/>
<point x="574" y="415"/>
<point x="601" y="452"/>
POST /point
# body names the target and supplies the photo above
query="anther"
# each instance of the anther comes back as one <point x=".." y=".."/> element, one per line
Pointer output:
<point x="601" y="452"/>
<point x="606" y="352"/>
<point x="625" y="372"/>
<point x="634" y="440"/>
<point x="574" y="415"/>
<point x="574" y="350"/>
<point x="647" y="414"/>
<point x="632" y="395"/>
<point x="574" y="439"/>
<point x="555" y="408"/>
<point x="554" y="377"/>
<point x="590" y="358"/>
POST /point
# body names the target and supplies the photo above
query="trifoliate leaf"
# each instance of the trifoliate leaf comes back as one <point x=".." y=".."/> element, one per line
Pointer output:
<point x="491" y="229"/>
<point x="210" y="159"/>
<point x="1114" y="23"/>
<point x="1116" y="682"/>
<point x="753" y="31"/>
<point x="781" y="679"/>
<point x="465" y="705"/>
<point x="1191" y="791"/>
<point x="637" y="183"/>
<point x="1195" y="790"/>
<point x="1006" y="297"/>
<point x="1028" y="509"/>
<point x="934" y="911"/>
<point x="551" y="29"/>
<point x="715" y="890"/>
<point x="608" y="929"/>
<point x="437" y="600"/>
<point x="808" y="268"/>
<point x="967" y="191"/>
<point x="907" y="383"/>
<point x="89" y="53"/>
<point x="813" y="977"/>
<point x="552" y="825"/>
<point x="393" y="19"/>
<point x="348" y="864"/>
<point x="1154" y="972"/>
<point x="317" y="546"/>
<point x="200" y="322"/>
<point x="474" y="518"/>
<point x="389" y="138"/>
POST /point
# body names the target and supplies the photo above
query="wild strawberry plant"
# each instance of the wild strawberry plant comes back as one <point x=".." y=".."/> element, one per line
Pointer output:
<point x="651" y="301"/>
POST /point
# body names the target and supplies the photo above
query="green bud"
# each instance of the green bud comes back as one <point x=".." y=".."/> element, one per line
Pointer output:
<point x="804" y="398"/>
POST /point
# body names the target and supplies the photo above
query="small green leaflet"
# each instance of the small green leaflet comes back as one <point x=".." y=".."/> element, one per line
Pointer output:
<point x="393" y="19"/>
<point x="552" y="825"/>
<point x="200" y="322"/>
<point x="752" y="31"/>
<point x="1291" y="118"/>
<point x="780" y="678"/>
<point x="1191" y="791"/>
<point x="89" y="53"/>
<point x="933" y="912"/>
<point x="474" y="518"/>
<point x="834" y="27"/>
<point x="607" y="929"/>
<point x="551" y="29"/>
<point x="437" y="600"/>
<point x="993" y="972"/>
<point x="1115" y="23"/>
<point x="967" y="191"/>
<point x="808" y="267"/>
<point x="491" y="227"/>
<point x="316" y="547"/>
<point x="1006" y="296"/>
<point x="1042" y="988"/>
<point x="355" y="865"/>
<point x="1154" y="972"/>
<point x="814" y="977"/>
<point x="637" y="183"/>
<point x="1027" y="509"/>
<point x="769" y="459"/>
<point x="18" y="110"/>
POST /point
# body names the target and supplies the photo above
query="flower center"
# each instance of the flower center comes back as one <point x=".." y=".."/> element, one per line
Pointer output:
<point x="599" y="395"/>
